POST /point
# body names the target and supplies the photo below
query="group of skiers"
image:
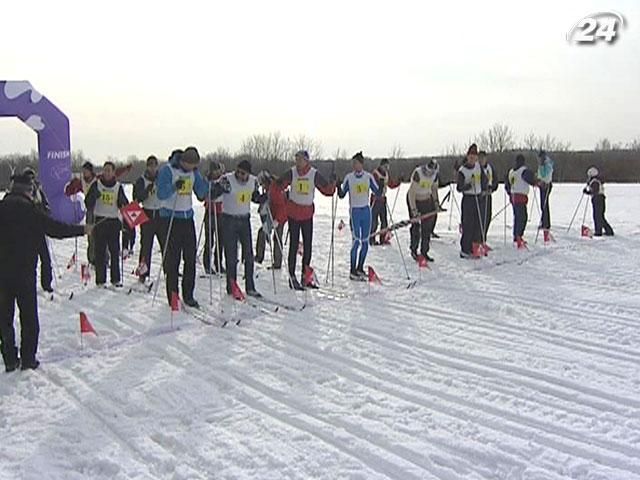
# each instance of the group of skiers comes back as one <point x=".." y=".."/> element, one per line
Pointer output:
<point x="166" y="196"/>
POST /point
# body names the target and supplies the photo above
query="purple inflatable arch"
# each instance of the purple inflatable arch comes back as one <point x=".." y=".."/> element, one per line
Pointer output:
<point x="21" y="100"/>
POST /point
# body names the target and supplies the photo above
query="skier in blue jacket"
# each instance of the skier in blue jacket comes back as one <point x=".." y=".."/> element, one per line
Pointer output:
<point x="177" y="181"/>
<point x="358" y="184"/>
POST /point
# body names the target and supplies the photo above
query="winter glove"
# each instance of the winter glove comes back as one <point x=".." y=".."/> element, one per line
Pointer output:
<point x="585" y="190"/>
<point x="179" y="184"/>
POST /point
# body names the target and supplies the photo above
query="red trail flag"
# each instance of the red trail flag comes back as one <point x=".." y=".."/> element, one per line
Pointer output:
<point x="373" y="276"/>
<point x="236" y="293"/>
<point x="85" y="324"/>
<point x="175" y="302"/>
<point x="134" y="215"/>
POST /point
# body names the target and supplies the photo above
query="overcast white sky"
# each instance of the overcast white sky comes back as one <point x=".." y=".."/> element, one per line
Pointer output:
<point x="138" y="77"/>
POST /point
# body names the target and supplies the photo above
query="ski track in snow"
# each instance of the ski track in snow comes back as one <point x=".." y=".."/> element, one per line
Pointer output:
<point x="523" y="365"/>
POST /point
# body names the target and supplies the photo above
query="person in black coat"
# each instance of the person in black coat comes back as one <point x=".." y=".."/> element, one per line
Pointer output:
<point x="24" y="226"/>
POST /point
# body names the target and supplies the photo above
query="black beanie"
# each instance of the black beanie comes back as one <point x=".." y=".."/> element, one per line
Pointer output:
<point x="244" y="165"/>
<point x="21" y="183"/>
<point x="358" y="156"/>
<point x="88" y="166"/>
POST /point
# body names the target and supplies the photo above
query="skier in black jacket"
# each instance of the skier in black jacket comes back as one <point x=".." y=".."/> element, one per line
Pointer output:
<point x="105" y="198"/>
<point x="145" y="193"/>
<point x="24" y="226"/>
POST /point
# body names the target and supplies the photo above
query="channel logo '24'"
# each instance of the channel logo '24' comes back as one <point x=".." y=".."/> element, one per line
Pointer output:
<point x="596" y="28"/>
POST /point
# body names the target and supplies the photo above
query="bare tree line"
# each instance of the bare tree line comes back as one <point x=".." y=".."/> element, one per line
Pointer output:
<point x="275" y="151"/>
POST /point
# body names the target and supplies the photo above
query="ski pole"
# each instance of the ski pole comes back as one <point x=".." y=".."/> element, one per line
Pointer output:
<point x="450" y="209"/>
<point x="166" y="249"/>
<point x="504" y="209"/>
<point x="218" y="256"/>
<point x="326" y="277"/>
<point x="199" y="238"/>
<point x="482" y="232"/>
<point x="279" y="240"/>
<point x="575" y="212"/>
<point x="54" y="260"/>
<point x="395" y="200"/>
<point x="208" y="245"/>
<point x="406" y="270"/>
<point x="584" y="214"/>
<point x="544" y="207"/>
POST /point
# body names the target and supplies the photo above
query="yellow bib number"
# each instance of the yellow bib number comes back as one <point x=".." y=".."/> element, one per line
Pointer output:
<point x="108" y="198"/>
<point x="426" y="184"/>
<point x="512" y="180"/>
<point x="187" y="186"/>
<point x="302" y="186"/>
<point x="362" y="188"/>
<point x="243" y="197"/>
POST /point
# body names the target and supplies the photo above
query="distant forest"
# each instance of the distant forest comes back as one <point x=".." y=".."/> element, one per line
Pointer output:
<point x="618" y="162"/>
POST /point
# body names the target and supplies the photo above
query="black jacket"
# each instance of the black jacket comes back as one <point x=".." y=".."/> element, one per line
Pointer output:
<point x="23" y="227"/>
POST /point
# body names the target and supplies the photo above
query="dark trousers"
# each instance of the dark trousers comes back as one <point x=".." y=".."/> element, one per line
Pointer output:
<point x="91" y="247"/>
<point x="46" y="274"/>
<point x="148" y="231"/>
<point x="520" y="217"/>
<point x="545" y="191"/>
<point x="295" y="228"/>
<point x="107" y="236"/>
<point x="211" y="238"/>
<point x="471" y="226"/>
<point x="420" y="233"/>
<point x="379" y="216"/>
<point x="261" y="242"/>
<point x="128" y="237"/>
<point x="21" y="289"/>
<point x="238" y="229"/>
<point x="181" y="245"/>
<point x="600" y="222"/>
<point x="486" y="211"/>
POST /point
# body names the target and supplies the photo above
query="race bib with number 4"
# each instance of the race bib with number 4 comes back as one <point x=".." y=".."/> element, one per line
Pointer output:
<point x="362" y="188"/>
<point x="302" y="186"/>
<point x="243" y="197"/>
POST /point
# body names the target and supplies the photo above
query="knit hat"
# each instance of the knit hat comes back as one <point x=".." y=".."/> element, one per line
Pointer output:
<point x="473" y="149"/>
<point x="190" y="156"/>
<point x="384" y="161"/>
<point x="21" y="183"/>
<point x="87" y="166"/>
<point x="302" y="153"/>
<point x="244" y="165"/>
<point x="359" y="157"/>
<point x="592" y="172"/>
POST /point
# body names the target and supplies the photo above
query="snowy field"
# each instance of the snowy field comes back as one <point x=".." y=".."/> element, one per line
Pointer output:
<point x="524" y="365"/>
